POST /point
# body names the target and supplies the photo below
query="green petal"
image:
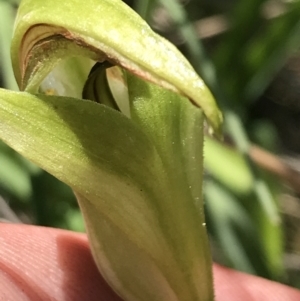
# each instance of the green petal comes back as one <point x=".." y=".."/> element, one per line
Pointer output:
<point x="175" y="127"/>
<point x="50" y="30"/>
<point x="145" y="225"/>
<point x="84" y="144"/>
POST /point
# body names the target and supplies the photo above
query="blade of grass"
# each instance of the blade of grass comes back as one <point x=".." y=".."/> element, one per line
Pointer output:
<point x="260" y="187"/>
<point x="267" y="55"/>
<point x="144" y="8"/>
<point x="245" y="19"/>
<point x="229" y="215"/>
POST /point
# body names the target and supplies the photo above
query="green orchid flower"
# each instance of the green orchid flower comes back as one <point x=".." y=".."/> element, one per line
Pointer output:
<point x="130" y="147"/>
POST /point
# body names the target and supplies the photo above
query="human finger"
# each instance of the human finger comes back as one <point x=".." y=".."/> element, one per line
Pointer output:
<point x="39" y="263"/>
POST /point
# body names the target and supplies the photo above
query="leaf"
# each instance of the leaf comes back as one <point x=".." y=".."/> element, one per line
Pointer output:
<point x="48" y="31"/>
<point x="14" y="177"/>
<point x="228" y="166"/>
<point x="231" y="222"/>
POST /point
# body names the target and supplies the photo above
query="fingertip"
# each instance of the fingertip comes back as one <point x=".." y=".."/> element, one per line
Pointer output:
<point x="39" y="263"/>
<point x="231" y="285"/>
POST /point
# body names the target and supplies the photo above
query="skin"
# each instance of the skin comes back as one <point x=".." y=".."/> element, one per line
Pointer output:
<point x="39" y="263"/>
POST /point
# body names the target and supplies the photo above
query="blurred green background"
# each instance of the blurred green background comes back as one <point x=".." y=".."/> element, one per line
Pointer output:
<point x="248" y="53"/>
